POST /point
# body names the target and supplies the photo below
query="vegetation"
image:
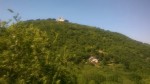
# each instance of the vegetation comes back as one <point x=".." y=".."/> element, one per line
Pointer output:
<point x="50" y="52"/>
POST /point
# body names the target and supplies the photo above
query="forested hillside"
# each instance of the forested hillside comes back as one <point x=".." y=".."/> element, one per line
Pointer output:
<point x="51" y="52"/>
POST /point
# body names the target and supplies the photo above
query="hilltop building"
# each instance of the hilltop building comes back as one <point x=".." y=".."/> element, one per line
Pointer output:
<point x="60" y="19"/>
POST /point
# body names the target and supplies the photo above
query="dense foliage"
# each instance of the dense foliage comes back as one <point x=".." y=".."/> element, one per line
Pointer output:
<point x="50" y="52"/>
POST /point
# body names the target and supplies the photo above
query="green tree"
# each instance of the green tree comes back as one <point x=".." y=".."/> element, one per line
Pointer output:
<point x="27" y="57"/>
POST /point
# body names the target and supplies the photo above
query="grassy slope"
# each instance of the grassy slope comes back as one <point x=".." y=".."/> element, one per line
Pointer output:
<point x="130" y="58"/>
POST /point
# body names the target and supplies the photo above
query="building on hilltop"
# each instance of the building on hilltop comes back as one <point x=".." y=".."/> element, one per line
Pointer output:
<point x="60" y="19"/>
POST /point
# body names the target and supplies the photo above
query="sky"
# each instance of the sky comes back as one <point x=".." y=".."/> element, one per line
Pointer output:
<point x="129" y="17"/>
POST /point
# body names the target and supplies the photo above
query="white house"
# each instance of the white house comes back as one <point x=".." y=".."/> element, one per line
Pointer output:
<point x="93" y="60"/>
<point x="60" y="19"/>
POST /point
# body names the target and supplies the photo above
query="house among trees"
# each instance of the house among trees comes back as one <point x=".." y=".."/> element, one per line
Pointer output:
<point x="93" y="60"/>
<point x="60" y="19"/>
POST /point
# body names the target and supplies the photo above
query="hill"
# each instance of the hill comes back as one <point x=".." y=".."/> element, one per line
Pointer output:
<point x="50" y="52"/>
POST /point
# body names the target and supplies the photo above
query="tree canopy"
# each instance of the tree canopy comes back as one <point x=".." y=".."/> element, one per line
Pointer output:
<point x="49" y="52"/>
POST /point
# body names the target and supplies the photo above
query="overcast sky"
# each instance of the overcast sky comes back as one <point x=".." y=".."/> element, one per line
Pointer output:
<point x="129" y="17"/>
